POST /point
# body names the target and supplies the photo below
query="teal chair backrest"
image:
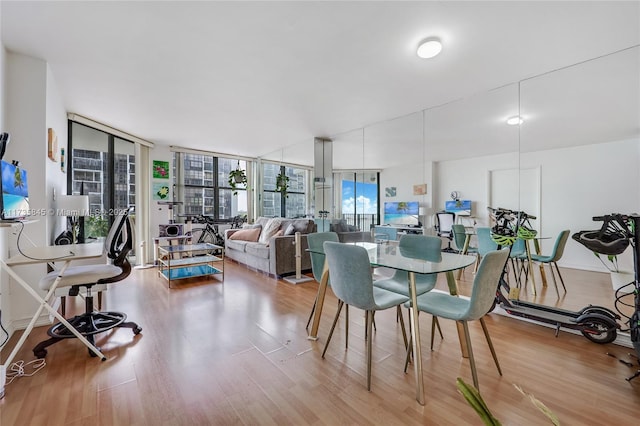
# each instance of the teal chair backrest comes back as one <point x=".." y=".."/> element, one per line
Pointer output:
<point x="485" y="283"/>
<point x="315" y="241"/>
<point x="351" y="279"/>
<point x="518" y="248"/>
<point x="558" y="247"/>
<point x="485" y="243"/>
<point x="459" y="235"/>
<point x="425" y="247"/>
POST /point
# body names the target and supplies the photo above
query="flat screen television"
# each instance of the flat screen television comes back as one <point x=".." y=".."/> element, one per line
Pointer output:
<point x="459" y="207"/>
<point x="15" y="191"/>
<point x="401" y="213"/>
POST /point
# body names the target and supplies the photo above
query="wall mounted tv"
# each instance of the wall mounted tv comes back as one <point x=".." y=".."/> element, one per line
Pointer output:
<point x="459" y="207"/>
<point x="401" y="213"/>
<point x="15" y="191"/>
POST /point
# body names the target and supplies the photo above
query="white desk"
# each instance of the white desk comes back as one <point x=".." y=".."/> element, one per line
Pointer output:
<point x="34" y="255"/>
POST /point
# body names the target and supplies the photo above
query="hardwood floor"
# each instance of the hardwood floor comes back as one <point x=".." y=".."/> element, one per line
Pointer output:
<point x="237" y="353"/>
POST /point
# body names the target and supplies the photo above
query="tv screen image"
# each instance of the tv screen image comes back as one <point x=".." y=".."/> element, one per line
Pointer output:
<point x="401" y="213"/>
<point x="459" y="207"/>
<point x="15" y="191"/>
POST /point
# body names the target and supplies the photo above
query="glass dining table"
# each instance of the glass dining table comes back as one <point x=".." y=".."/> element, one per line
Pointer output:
<point x="389" y="255"/>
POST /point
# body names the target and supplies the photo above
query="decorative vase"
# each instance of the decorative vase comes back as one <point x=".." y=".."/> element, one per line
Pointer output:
<point x="621" y="279"/>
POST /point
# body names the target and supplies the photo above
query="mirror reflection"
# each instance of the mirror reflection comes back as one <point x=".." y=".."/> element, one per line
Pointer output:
<point x="579" y="158"/>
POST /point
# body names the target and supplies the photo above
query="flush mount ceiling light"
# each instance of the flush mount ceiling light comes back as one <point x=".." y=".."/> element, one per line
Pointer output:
<point x="429" y="47"/>
<point x="515" y="120"/>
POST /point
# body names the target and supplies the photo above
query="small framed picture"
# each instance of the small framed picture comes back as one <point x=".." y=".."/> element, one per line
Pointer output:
<point x="390" y="191"/>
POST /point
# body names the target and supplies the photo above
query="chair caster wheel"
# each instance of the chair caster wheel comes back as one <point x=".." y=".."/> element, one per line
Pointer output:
<point x="137" y="330"/>
<point x="41" y="354"/>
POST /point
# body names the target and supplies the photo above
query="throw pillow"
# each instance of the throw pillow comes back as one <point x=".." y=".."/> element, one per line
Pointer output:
<point x="272" y="226"/>
<point x="251" y="234"/>
<point x="251" y="226"/>
<point x="290" y="230"/>
<point x="280" y="233"/>
<point x="301" y="226"/>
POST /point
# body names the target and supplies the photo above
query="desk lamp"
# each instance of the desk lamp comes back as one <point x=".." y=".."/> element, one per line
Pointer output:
<point x="73" y="206"/>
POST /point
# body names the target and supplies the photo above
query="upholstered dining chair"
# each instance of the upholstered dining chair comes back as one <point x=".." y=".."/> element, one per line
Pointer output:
<point x="553" y="257"/>
<point x="118" y="244"/>
<point x="459" y="239"/>
<point x="314" y="242"/>
<point x="423" y="247"/>
<point x="352" y="283"/>
<point x="463" y="309"/>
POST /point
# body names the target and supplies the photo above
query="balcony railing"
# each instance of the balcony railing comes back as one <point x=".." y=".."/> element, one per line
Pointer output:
<point x="361" y="220"/>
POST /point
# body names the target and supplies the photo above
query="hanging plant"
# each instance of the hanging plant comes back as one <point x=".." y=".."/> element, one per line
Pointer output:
<point x="237" y="177"/>
<point x="282" y="184"/>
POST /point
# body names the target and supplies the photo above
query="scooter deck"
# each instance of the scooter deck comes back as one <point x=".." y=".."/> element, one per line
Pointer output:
<point x="544" y="310"/>
<point x="540" y="314"/>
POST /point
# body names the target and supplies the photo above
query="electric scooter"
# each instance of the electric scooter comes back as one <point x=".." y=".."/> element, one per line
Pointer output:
<point x="596" y="323"/>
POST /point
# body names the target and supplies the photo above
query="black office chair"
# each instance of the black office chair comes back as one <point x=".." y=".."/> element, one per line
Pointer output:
<point x="444" y="228"/>
<point x="118" y="244"/>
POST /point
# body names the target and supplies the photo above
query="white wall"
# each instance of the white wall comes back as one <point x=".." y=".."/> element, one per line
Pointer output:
<point x="159" y="214"/>
<point x="582" y="182"/>
<point x="470" y="177"/>
<point x="56" y="179"/>
<point x="576" y="184"/>
<point x="25" y="120"/>
<point x="403" y="178"/>
<point x="35" y="105"/>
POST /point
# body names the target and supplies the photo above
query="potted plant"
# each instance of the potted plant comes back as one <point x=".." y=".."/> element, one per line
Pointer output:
<point x="282" y="184"/>
<point x="237" y="177"/>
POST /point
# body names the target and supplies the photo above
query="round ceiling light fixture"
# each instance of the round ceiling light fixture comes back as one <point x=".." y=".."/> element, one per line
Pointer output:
<point x="515" y="120"/>
<point x="429" y="47"/>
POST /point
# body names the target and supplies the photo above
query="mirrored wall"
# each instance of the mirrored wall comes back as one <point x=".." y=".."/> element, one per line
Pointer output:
<point x="563" y="146"/>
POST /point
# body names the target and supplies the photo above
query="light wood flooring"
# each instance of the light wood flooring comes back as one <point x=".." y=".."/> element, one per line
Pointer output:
<point x="237" y="352"/>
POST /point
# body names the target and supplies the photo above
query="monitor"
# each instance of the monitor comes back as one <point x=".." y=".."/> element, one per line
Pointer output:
<point x="402" y="213"/>
<point x="459" y="207"/>
<point x="15" y="191"/>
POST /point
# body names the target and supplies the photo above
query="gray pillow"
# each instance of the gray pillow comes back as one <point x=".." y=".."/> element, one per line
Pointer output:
<point x="291" y="229"/>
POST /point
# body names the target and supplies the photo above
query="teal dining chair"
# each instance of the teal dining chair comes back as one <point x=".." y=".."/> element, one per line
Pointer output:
<point x="352" y="283"/>
<point x="463" y="309"/>
<point x="314" y="242"/>
<point x="459" y="239"/>
<point x="552" y="258"/>
<point x="423" y="247"/>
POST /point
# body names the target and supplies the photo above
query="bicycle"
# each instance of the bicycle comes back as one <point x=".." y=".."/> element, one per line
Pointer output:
<point x="208" y="234"/>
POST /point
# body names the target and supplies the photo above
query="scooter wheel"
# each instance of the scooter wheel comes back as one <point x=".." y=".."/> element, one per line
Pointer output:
<point x="598" y="330"/>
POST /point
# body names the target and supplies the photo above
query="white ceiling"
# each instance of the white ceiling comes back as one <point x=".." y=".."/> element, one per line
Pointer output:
<point x="247" y="78"/>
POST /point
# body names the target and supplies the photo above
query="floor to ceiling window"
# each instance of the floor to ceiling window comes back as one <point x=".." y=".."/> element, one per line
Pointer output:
<point x="359" y="198"/>
<point x="294" y="202"/>
<point x="101" y="166"/>
<point x="201" y="183"/>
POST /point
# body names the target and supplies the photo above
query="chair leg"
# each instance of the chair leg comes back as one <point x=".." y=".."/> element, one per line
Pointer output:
<point x="560" y="275"/>
<point x="369" y="345"/>
<point x="435" y="323"/>
<point x="472" y="360"/>
<point x="346" y="328"/>
<point x="63" y="305"/>
<point x="555" y="282"/>
<point x="490" y="343"/>
<point x="313" y="309"/>
<point x="400" y="318"/>
<point x="475" y="268"/>
<point x="333" y="326"/>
